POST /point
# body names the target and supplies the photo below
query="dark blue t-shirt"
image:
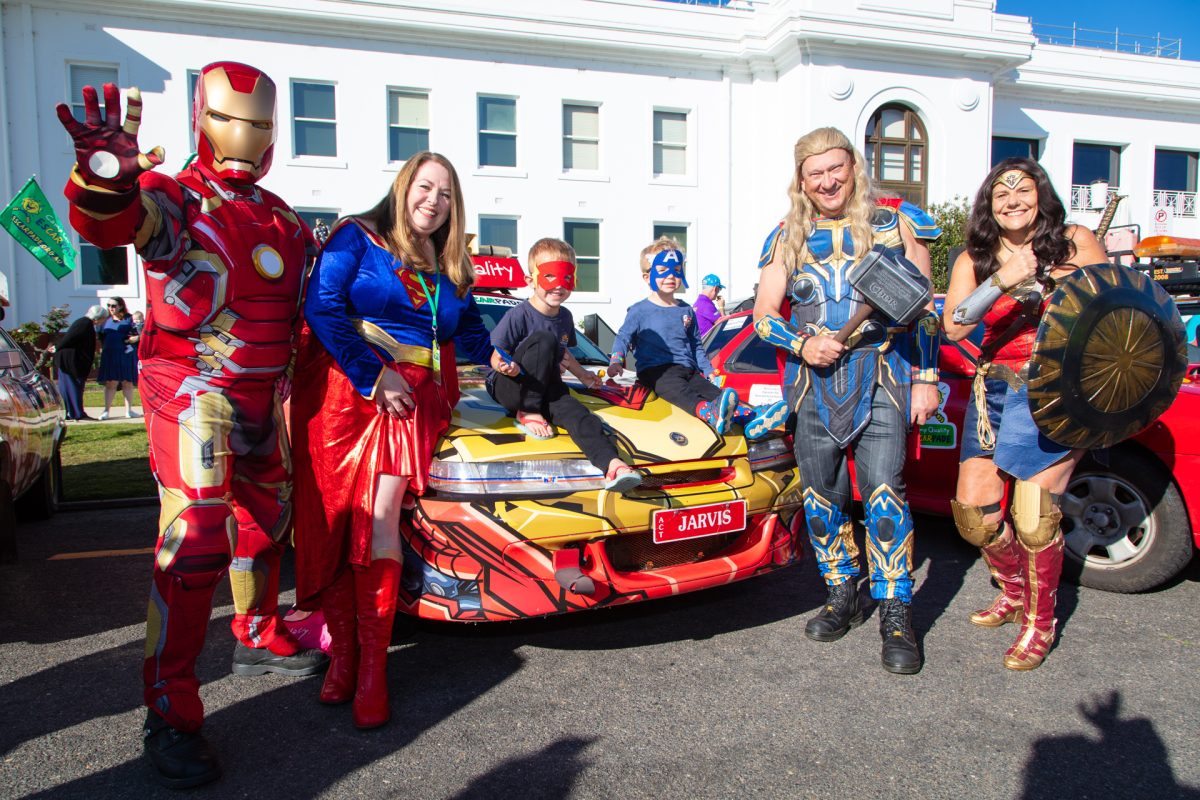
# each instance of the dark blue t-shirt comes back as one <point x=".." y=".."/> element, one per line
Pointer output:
<point x="523" y="320"/>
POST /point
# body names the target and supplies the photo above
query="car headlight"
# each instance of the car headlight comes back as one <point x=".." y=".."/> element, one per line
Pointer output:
<point x="770" y="454"/>
<point x="515" y="477"/>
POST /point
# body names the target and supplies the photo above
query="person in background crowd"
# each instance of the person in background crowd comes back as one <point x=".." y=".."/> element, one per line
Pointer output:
<point x="709" y="304"/>
<point x="118" y="356"/>
<point x="1017" y="235"/>
<point x="863" y="394"/>
<point x="74" y="355"/>
<point x="376" y="381"/>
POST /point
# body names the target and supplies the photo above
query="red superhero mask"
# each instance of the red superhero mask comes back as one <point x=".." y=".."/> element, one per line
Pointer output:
<point x="555" y="275"/>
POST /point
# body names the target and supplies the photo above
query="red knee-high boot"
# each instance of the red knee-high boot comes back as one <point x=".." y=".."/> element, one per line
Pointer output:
<point x="375" y="590"/>
<point x="1006" y="559"/>
<point x="337" y="602"/>
<point x="1043" y="568"/>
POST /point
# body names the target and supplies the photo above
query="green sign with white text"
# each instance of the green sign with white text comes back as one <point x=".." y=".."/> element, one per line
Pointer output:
<point x="32" y="222"/>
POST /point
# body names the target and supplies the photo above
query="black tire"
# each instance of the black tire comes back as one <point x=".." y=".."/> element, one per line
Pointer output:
<point x="1125" y="523"/>
<point x="8" y="526"/>
<point x="41" y="501"/>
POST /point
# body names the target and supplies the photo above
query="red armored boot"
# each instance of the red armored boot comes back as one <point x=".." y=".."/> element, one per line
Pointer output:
<point x="1043" y="568"/>
<point x="1006" y="560"/>
<point x="337" y="601"/>
<point x="375" y="590"/>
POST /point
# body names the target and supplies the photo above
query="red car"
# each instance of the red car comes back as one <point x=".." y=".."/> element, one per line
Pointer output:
<point x="1131" y="515"/>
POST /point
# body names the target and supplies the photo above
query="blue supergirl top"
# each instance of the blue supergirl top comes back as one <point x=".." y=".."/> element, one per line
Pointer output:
<point x="356" y="279"/>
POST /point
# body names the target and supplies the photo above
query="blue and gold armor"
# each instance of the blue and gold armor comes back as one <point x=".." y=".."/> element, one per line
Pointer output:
<point x="822" y="300"/>
<point x="862" y="399"/>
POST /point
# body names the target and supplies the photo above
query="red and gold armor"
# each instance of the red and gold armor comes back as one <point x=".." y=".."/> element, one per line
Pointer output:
<point x="224" y="264"/>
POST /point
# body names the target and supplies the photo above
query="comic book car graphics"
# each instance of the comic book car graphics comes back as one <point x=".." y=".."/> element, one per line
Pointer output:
<point x="1131" y="514"/>
<point x="481" y="544"/>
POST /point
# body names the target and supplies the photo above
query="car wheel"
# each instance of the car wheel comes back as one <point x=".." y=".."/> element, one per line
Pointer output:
<point x="41" y="501"/>
<point x="1125" y="525"/>
<point x="8" y="526"/>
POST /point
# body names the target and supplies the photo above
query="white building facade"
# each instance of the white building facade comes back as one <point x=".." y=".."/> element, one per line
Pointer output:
<point x="605" y="122"/>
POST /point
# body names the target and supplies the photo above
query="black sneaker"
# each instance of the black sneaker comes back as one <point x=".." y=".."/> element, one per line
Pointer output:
<point x="900" y="653"/>
<point x="249" y="661"/>
<point x="182" y="760"/>
<point x="840" y="614"/>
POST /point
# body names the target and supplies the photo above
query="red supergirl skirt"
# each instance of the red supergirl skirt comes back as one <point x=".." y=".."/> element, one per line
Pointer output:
<point x="341" y="443"/>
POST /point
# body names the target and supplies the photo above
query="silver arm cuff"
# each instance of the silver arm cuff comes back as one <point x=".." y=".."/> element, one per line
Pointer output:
<point x="971" y="310"/>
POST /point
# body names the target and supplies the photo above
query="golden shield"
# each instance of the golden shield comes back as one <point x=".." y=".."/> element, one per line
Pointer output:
<point x="1109" y="357"/>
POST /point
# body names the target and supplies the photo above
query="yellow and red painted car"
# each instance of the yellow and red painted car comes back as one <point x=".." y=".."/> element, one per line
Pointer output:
<point x="482" y="542"/>
<point x="1131" y="514"/>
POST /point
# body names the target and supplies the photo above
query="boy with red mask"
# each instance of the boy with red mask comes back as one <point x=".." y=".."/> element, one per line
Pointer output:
<point x="536" y="335"/>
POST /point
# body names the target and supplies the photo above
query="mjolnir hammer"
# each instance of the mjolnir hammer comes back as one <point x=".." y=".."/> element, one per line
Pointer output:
<point x="894" y="287"/>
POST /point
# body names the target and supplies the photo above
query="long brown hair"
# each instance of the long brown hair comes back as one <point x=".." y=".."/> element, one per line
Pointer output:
<point x="1051" y="245"/>
<point x="389" y="217"/>
<point x="859" y="208"/>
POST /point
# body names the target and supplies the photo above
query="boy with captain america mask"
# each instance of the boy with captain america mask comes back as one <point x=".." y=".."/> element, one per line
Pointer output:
<point x="662" y="333"/>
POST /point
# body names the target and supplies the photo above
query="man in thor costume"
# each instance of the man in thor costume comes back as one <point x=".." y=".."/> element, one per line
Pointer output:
<point x="225" y="264"/>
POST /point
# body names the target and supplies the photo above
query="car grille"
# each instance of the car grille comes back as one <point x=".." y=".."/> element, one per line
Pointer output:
<point x="638" y="553"/>
<point x="666" y="480"/>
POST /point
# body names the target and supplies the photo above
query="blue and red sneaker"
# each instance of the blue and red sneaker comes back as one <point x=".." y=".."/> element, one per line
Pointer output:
<point x="719" y="413"/>
<point x="767" y="419"/>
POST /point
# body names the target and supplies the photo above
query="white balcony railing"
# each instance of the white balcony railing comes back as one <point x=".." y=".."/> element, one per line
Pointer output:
<point x="1182" y="204"/>
<point x="1081" y="198"/>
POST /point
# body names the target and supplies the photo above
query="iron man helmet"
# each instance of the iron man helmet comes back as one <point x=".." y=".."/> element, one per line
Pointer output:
<point x="233" y="114"/>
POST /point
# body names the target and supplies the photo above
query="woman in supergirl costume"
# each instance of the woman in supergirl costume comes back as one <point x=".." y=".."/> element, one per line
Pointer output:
<point x="386" y="305"/>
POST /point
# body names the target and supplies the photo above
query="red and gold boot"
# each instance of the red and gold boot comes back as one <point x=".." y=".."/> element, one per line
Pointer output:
<point x="1042" y="572"/>
<point x="1005" y="560"/>
<point x="375" y="590"/>
<point x="337" y="602"/>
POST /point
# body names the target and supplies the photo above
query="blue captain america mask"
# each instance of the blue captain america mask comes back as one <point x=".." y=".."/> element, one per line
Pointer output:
<point x="666" y="264"/>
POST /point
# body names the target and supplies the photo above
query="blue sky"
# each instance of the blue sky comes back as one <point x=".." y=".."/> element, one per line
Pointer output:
<point x="1175" y="19"/>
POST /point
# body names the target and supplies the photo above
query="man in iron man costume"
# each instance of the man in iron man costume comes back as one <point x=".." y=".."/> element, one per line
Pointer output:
<point x="225" y="264"/>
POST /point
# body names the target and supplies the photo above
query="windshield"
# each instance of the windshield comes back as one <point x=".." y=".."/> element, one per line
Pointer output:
<point x="493" y="307"/>
<point x="720" y="334"/>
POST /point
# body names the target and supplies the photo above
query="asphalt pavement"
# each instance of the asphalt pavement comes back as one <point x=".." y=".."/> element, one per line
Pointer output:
<point x="711" y="695"/>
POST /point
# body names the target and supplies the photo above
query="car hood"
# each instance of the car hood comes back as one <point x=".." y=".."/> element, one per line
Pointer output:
<point x="644" y="425"/>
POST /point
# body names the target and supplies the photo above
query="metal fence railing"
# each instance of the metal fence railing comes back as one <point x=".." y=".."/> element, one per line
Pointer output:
<point x="1140" y="44"/>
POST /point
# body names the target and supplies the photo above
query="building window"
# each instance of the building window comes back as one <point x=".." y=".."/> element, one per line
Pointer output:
<point x="1094" y="163"/>
<point x="314" y="119"/>
<point x="103" y="267"/>
<point x="408" y="123"/>
<point x="497" y="131"/>
<point x="585" y="238"/>
<point x="314" y="217"/>
<point x="670" y="142"/>
<point x="581" y="137"/>
<point x="897" y="150"/>
<point x="193" y="77"/>
<point x="1175" y="181"/>
<point x="82" y="75"/>
<point x="498" y="231"/>
<point x="1012" y="147"/>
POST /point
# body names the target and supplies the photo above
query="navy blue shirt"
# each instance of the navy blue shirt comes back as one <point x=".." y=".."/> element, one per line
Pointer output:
<point x="659" y="335"/>
<point x="523" y="320"/>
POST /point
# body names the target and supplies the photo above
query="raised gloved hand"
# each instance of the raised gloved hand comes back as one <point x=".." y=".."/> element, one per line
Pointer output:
<point x="107" y="152"/>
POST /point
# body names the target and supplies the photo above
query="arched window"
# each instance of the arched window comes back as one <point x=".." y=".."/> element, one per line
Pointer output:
<point x="897" y="152"/>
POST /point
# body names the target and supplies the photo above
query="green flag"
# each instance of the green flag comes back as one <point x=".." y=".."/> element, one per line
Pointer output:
<point x="32" y="222"/>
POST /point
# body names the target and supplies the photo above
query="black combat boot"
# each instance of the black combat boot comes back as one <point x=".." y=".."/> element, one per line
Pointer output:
<point x="183" y="760"/>
<point x="840" y="614"/>
<point x="900" y="653"/>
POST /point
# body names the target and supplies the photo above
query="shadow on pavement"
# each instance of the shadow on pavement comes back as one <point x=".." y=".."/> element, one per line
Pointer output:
<point x="557" y="766"/>
<point x="1128" y="753"/>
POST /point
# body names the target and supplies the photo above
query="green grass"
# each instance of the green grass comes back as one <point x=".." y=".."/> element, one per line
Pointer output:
<point x="109" y="461"/>
<point x="93" y="397"/>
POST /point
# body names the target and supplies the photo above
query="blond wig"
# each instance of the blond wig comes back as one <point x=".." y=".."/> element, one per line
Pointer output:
<point x="859" y="208"/>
